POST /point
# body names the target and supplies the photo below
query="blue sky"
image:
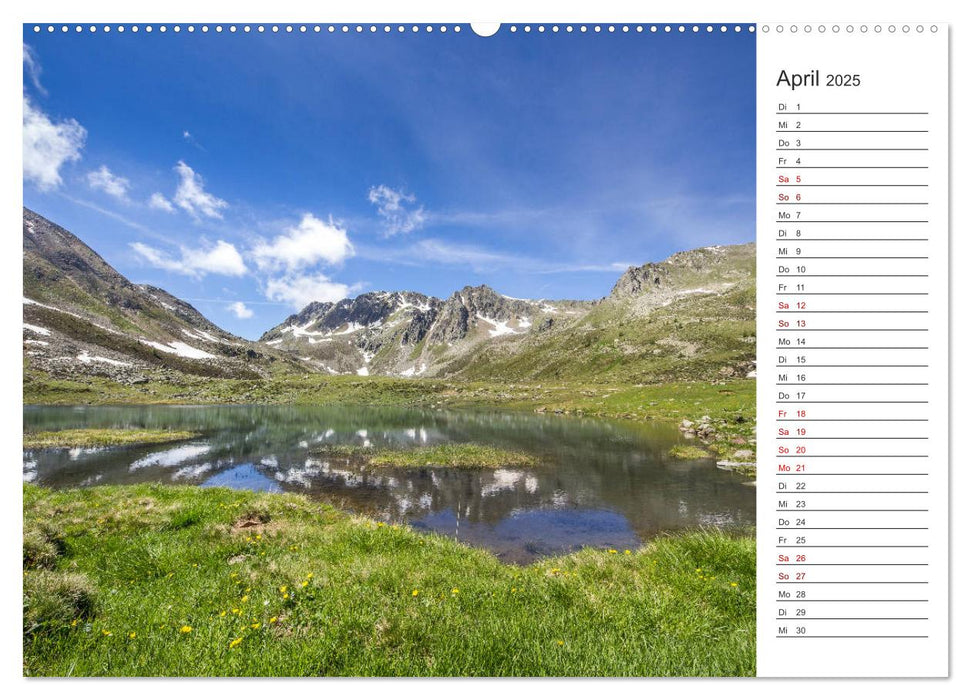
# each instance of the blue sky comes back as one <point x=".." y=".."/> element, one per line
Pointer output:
<point x="250" y="173"/>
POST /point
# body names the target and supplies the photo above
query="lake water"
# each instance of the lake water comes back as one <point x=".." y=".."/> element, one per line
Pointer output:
<point x="599" y="483"/>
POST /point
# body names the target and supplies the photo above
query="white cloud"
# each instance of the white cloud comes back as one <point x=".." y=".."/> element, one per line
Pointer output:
<point x="48" y="145"/>
<point x="109" y="183"/>
<point x="393" y="207"/>
<point x="32" y="66"/>
<point x="240" y="309"/>
<point x="310" y="242"/>
<point x="158" y="201"/>
<point x="192" y="196"/>
<point x="300" y="290"/>
<point x="221" y="259"/>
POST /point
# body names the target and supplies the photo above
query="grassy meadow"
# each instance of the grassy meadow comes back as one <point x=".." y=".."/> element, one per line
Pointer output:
<point x="182" y="581"/>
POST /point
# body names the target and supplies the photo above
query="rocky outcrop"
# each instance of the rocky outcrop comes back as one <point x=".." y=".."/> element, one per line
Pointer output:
<point x="709" y="269"/>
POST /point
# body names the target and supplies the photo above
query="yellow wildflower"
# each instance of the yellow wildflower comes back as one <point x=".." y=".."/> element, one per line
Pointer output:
<point x="414" y="593"/>
<point x="185" y="629"/>
<point x="560" y="642"/>
<point x="305" y="584"/>
<point x="283" y="589"/>
<point x="106" y="633"/>
<point x="272" y="620"/>
<point x="734" y="585"/>
<point x="626" y="551"/>
<point x="255" y="625"/>
<point x="131" y="635"/>
<point x="454" y="591"/>
<point x="244" y="599"/>
<point x="612" y="551"/>
<point x="236" y="642"/>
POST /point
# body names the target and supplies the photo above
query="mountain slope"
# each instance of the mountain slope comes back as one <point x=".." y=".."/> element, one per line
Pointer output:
<point x="82" y="316"/>
<point x="407" y="333"/>
<point x="690" y="316"/>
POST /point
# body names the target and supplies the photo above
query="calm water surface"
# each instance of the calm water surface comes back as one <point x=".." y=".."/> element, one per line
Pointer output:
<point x="597" y="483"/>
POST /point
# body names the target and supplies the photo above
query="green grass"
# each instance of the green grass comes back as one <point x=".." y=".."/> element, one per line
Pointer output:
<point x="102" y="437"/>
<point x="688" y="452"/>
<point x="160" y="580"/>
<point x="455" y="455"/>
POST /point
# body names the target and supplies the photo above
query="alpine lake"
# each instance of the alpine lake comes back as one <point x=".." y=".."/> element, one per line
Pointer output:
<point x="596" y="482"/>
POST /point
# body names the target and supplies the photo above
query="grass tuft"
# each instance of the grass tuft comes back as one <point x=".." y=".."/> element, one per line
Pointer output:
<point x="689" y="452"/>
<point x="456" y="455"/>
<point x="56" y="600"/>
<point x="41" y="547"/>
<point x="101" y="437"/>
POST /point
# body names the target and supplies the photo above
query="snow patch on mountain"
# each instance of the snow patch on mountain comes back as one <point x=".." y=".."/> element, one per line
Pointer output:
<point x="88" y="359"/>
<point x="37" y="329"/>
<point x="181" y="349"/>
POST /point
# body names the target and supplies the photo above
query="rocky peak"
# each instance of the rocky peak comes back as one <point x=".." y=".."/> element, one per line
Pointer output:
<point x="466" y="307"/>
<point x="638" y="280"/>
<point x="368" y="310"/>
<point x="687" y="270"/>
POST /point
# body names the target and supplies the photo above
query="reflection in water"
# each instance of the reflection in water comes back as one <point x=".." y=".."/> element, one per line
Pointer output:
<point x="598" y="483"/>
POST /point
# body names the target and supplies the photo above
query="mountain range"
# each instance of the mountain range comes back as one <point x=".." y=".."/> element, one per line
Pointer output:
<point x="690" y="316"/>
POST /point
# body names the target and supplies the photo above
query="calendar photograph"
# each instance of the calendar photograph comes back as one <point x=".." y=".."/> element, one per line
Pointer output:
<point x="389" y="350"/>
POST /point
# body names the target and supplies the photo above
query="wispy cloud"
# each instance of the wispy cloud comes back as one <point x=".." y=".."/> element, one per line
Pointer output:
<point x="396" y="208"/>
<point x="158" y="201"/>
<point x="240" y="310"/>
<point x="109" y="183"/>
<point x="134" y="225"/>
<point x="32" y="66"/>
<point x="48" y="146"/>
<point x="480" y="259"/>
<point x="310" y="242"/>
<point x="448" y="253"/>
<point x="220" y="259"/>
<point x="190" y="139"/>
<point x="191" y="194"/>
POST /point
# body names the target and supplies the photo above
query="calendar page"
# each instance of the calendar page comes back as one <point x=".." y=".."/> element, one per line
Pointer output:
<point x="428" y="348"/>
